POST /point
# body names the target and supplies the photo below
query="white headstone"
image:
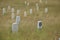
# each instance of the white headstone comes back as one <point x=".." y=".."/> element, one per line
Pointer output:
<point x="46" y="10"/>
<point x="59" y="38"/>
<point x="25" y="14"/>
<point x="39" y="25"/>
<point x="30" y="11"/>
<point x="17" y="19"/>
<point x="18" y="11"/>
<point x="13" y="16"/>
<point x="40" y="1"/>
<point x="3" y="11"/>
<point x="28" y="4"/>
<point x="25" y="2"/>
<point x="37" y="8"/>
<point x="9" y="7"/>
<point x="12" y="10"/>
<point x="14" y="27"/>
<point x="36" y="4"/>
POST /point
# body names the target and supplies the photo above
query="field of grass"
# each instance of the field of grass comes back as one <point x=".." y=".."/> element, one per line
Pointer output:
<point x="28" y="25"/>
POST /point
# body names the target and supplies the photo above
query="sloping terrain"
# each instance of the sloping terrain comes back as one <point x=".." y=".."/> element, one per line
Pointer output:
<point x="28" y="25"/>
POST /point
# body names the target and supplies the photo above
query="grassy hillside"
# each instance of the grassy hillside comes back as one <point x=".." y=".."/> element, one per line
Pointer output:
<point x="28" y="25"/>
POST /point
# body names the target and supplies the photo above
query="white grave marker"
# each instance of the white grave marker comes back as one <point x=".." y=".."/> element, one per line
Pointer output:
<point x="12" y="10"/>
<point x="4" y="11"/>
<point x="46" y="10"/>
<point x="59" y="38"/>
<point x="25" y="14"/>
<point x="37" y="8"/>
<point x="28" y="4"/>
<point x="9" y="7"/>
<point x="39" y="24"/>
<point x="36" y="4"/>
<point x="40" y="1"/>
<point x="30" y="11"/>
<point x="12" y="16"/>
<point x="17" y="19"/>
<point x="14" y="27"/>
<point x="18" y="11"/>
<point x="25" y="2"/>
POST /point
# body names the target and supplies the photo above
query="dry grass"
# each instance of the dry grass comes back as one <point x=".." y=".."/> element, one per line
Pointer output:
<point x="28" y="25"/>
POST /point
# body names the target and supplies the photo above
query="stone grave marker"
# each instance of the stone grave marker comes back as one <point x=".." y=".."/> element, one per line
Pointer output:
<point x="14" y="27"/>
<point x="28" y="4"/>
<point x="39" y="25"/>
<point x="17" y="19"/>
<point x="37" y="8"/>
<point x="30" y="11"/>
<point x="25" y="14"/>
<point x="36" y="4"/>
<point x="12" y="10"/>
<point x="59" y="38"/>
<point x="4" y="11"/>
<point x="40" y="1"/>
<point x="9" y="7"/>
<point x="46" y="10"/>
<point x="18" y="11"/>
<point x="25" y="2"/>
<point x="12" y="16"/>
